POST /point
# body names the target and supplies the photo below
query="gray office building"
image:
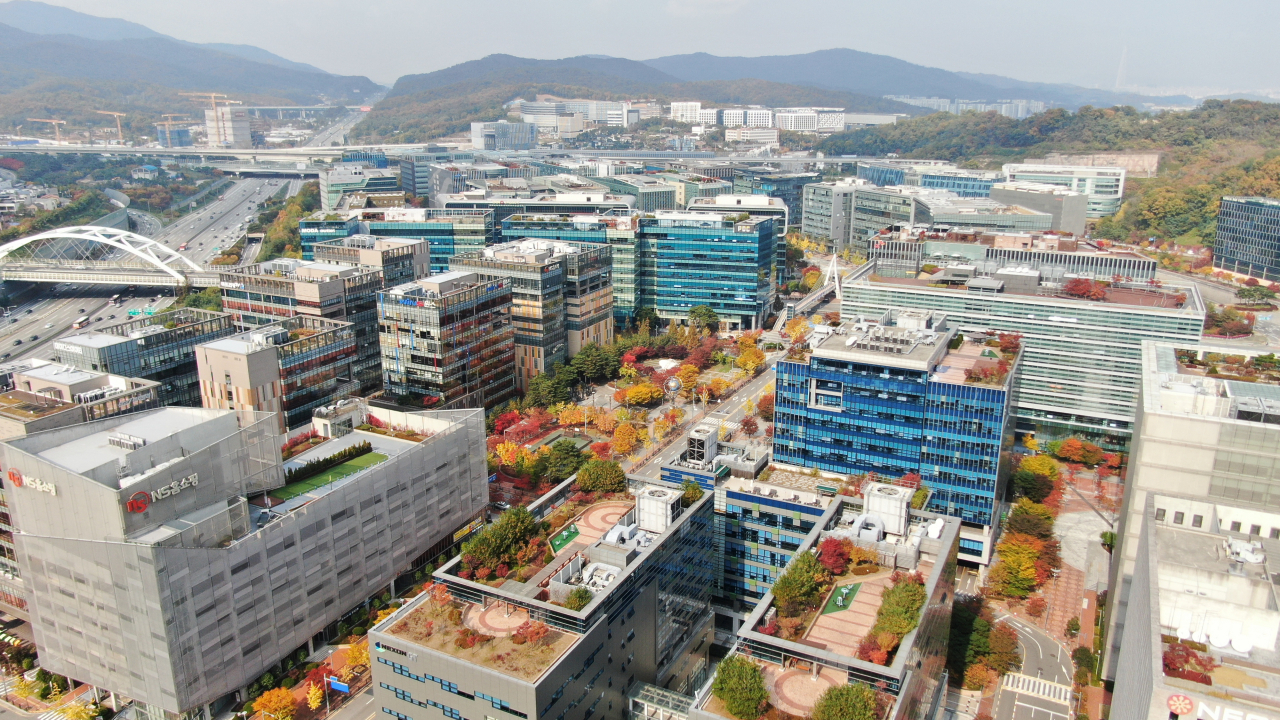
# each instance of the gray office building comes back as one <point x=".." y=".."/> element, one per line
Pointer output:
<point x="827" y="213"/>
<point x="1068" y="208"/>
<point x="156" y="572"/>
<point x="1248" y="239"/>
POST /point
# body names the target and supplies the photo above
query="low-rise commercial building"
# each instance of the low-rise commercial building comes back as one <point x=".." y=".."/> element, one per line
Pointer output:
<point x="1248" y="237"/>
<point x="944" y="211"/>
<point x="160" y="348"/>
<point x="158" y="572"/>
<point x="287" y="369"/>
<point x="449" y="339"/>
<point x="347" y="179"/>
<point x="266" y="293"/>
<point x="935" y="174"/>
<point x="1104" y="186"/>
<point x="892" y="398"/>
<point x="651" y="193"/>
<point x="503" y="135"/>
<point x="1068" y="208"/>
<point x="642" y="563"/>
<point x="50" y="395"/>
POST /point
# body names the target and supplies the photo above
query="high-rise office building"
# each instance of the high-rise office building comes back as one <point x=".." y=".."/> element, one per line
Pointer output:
<point x="878" y="208"/>
<point x="416" y="169"/>
<point x="827" y="213"/>
<point x="1205" y="455"/>
<point x="535" y="270"/>
<point x="1081" y="365"/>
<point x="786" y="186"/>
<point x="160" y="348"/>
<point x="503" y="135"/>
<point x="400" y="260"/>
<point x="646" y="564"/>
<point x="154" y="577"/>
<point x="893" y="398"/>
<point x="446" y="232"/>
<point x="1248" y="237"/>
<point x="266" y="293"/>
<point x="651" y="193"/>
<point x="288" y="369"/>
<point x="1103" y="185"/>
<point x="449" y="339"/>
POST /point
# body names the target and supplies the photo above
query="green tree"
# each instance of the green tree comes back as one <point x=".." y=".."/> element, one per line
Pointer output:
<point x="702" y="316"/>
<point x="564" y="460"/>
<point x="739" y="684"/>
<point x="846" y="702"/>
<point x="1255" y="294"/>
<point x="578" y="598"/>
<point x="602" y="476"/>
<point x="692" y="493"/>
<point x="800" y="587"/>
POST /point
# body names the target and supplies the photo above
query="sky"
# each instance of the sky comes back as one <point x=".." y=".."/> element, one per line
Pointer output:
<point x="1168" y="45"/>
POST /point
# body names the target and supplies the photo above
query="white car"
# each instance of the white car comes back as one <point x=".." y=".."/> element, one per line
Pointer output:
<point x="48" y="325"/>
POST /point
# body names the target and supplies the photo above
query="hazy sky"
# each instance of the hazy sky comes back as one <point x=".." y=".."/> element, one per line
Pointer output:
<point x="1171" y="44"/>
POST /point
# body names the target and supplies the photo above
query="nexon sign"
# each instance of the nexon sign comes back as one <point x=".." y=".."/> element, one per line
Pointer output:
<point x="1181" y="705"/>
<point x="141" y="500"/>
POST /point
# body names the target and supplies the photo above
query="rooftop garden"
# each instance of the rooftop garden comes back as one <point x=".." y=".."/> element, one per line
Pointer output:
<point x="1257" y="369"/>
<point x="996" y="361"/>
<point x="741" y="689"/>
<point x="317" y="473"/>
<point x="523" y="649"/>
<point x="374" y="425"/>
<point x="518" y="545"/>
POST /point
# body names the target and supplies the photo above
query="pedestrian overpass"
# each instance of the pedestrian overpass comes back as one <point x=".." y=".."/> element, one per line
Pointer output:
<point x="99" y="255"/>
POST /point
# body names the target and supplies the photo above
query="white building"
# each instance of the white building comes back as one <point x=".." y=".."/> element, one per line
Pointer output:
<point x="686" y="111"/>
<point x="227" y="127"/>
<point x="809" y="119"/>
<point x="1103" y="185"/>
<point x="751" y="134"/>
<point x="709" y="116"/>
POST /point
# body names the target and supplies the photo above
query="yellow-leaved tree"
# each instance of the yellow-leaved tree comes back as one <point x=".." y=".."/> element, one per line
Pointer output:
<point x="624" y="439"/>
<point x="278" y="703"/>
<point x="315" y="696"/>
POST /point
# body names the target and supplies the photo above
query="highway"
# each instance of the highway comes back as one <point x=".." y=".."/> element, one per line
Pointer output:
<point x="54" y="311"/>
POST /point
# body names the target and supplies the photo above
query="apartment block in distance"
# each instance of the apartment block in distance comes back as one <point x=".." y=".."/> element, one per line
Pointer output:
<point x="646" y="564"/>
<point x="536" y="273"/>
<point x="798" y="669"/>
<point x="288" y="369"/>
<point x="1207" y="448"/>
<point x="1248" y="239"/>
<point x="1081" y="359"/>
<point x="161" y="348"/>
<point x="143" y="534"/>
<point x="266" y="293"/>
<point x="449" y="339"/>
<point x="891" y="398"/>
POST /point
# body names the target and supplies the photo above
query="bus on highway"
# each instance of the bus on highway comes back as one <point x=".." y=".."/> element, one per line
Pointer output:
<point x="82" y="322"/>
<point x="115" y="300"/>
<point x="182" y="247"/>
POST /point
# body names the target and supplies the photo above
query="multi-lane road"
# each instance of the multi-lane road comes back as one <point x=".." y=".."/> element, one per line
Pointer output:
<point x="1043" y="688"/>
<point x="57" y="308"/>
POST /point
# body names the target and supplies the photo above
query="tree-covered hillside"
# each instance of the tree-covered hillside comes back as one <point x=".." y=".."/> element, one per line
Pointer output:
<point x="1220" y="148"/>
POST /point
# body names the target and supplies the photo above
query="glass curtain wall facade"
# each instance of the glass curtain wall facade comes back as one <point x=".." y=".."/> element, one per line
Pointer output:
<point x="456" y="349"/>
<point x="1248" y="239"/>
<point x="146" y="348"/>
<point x="788" y="187"/>
<point x="1081" y="360"/>
<point x="703" y="259"/>
<point x="315" y="369"/>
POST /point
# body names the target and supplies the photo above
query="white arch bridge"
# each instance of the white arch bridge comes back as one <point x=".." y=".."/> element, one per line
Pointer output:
<point x="101" y="255"/>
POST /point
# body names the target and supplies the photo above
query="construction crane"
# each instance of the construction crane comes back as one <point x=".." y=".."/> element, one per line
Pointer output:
<point x="57" y="131"/>
<point x="168" y="124"/>
<point x="213" y="103"/>
<point x="118" y="115"/>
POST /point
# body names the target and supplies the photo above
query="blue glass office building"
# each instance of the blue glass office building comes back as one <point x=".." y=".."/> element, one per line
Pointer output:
<point x="893" y="400"/>
<point x="1248" y="240"/>
<point x="446" y="232"/>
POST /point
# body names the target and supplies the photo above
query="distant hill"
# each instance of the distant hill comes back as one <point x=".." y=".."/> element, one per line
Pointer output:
<point x="880" y="75"/>
<point x="422" y="107"/>
<point x="43" y="19"/>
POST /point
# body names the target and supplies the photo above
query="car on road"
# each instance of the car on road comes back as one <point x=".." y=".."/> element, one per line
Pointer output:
<point x="48" y="325"/>
<point x="28" y="311"/>
<point x="98" y="319"/>
<point x="4" y="356"/>
<point x="34" y="338"/>
<point x="111" y="317"/>
<point x="13" y="321"/>
<point x="81" y="310"/>
<point x="18" y="341"/>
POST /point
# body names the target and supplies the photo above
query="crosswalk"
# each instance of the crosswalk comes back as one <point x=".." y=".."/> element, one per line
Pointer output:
<point x="1028" y="685"/>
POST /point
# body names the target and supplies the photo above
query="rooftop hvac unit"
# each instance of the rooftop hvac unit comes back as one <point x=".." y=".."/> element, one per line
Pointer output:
<point x="657" y="508"/>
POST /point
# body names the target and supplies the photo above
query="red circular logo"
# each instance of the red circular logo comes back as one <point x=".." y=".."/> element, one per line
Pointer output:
<point x="138" y="502"/>
<point x="1180" y="705"/>
<point x="15" y="477"/>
